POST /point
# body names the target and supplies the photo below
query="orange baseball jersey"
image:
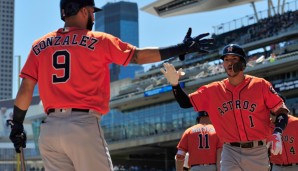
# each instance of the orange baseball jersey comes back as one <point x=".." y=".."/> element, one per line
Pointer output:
<point x="71" y="67"/>
<point x="201" y="142"/>
<point x="289" y="144"/>
<point x="238" y="113"/>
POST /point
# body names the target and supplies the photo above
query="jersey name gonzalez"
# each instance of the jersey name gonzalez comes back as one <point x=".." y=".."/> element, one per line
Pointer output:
<point x="246" y="105"/>
<point x="84" y="41"/>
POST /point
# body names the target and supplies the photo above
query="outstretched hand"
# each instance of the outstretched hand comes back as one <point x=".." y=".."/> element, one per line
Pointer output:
<point x="171" y="74"/>
<point x="196" y="44"/>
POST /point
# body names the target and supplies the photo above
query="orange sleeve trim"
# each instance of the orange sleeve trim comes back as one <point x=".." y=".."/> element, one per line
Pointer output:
<point x="278" y="106"/>
<point x="24" y="75"/>
<point x="129" y="56"/>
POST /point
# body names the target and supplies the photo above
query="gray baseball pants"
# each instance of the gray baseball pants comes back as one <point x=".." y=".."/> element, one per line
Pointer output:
<point x="73" y="141"/>
<point x="244" y="159"/>
<point x="204" y="168"/>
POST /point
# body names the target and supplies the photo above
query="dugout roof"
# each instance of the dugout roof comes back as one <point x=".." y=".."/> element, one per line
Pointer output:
<point x="169" y="8"/>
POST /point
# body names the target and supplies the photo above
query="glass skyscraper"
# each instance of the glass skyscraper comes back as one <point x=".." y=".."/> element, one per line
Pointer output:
<point x="121" y="20"/>
<point x="6" y="48"/>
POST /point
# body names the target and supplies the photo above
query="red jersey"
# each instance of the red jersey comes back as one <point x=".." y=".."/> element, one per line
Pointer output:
<point x="201" y="142"/>
<point x="71" y="67"/>
<point x="238" y="113"/>
<point x="289" y="144"/>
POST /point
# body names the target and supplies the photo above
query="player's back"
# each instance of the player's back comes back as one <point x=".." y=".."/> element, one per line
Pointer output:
<point x="71" y="66"/>
<point x="202" y="144"/>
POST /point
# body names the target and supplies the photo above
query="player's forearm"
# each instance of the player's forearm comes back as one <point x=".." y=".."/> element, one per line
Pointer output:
<point x="24" y="96"/>
<point x="156" y="54"/>
<point x="23" y="100"/>
<point x="146" y="55"/>
<point x="179" y="165"/>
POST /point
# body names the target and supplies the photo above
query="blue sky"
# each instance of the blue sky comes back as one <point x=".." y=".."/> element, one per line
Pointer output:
<point x="35" y="18"/>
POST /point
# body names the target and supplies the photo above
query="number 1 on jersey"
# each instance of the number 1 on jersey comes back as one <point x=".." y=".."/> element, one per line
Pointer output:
<point x="65" y="65"/>
<point x="251" y="122"/>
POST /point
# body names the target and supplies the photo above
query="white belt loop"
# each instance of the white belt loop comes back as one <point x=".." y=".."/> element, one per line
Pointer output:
<point x="255" y="143"/>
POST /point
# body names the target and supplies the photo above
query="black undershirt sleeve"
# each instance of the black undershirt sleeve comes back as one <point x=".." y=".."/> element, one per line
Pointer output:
<point x="181" y="97"/>
<point x="171" y="51"/>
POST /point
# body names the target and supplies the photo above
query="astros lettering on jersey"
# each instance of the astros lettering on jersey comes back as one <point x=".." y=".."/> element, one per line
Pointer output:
<point x="240" y="112"/>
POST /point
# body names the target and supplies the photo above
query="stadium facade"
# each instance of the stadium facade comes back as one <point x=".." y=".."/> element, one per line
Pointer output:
<point x="145" y="123"/>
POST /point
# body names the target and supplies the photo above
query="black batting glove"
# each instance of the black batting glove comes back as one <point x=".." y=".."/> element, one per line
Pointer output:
<point x="196" y="44"/>
<point x="17" y="135"/>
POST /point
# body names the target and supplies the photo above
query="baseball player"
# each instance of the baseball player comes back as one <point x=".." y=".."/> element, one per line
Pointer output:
<point x="239" y="108"/>
<point x="202" y="144"/>
<point x="288" y="160"/>
<point x="71" y="67"/>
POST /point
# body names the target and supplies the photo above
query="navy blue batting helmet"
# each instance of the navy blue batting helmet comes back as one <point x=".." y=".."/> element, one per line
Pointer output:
<point x="234" y="49"/>
<point x="201" y="114"/>
<point x="72" y="7"/>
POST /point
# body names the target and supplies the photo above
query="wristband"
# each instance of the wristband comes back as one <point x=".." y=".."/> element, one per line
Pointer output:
<point x="18" y="114"/>
<point x="277" y="130"/>
<point x="171" y="51"/>
<point x="281" y="122"/>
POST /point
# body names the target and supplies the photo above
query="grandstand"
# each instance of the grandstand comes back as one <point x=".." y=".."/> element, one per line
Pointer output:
<point x="145" y="123"/>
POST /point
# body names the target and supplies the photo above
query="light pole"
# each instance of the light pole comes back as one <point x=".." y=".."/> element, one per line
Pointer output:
<point x="19" y="83"/>
<point x="19" y="70"/>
